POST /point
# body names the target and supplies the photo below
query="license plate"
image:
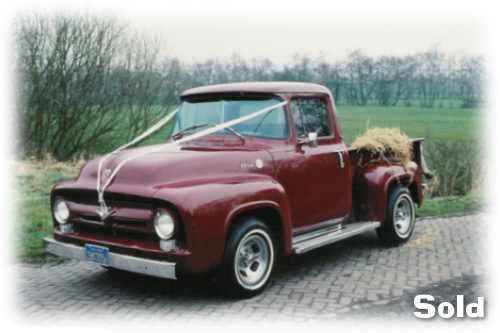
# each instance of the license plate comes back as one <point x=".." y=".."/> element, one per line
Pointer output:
<point x="97" y="254"/>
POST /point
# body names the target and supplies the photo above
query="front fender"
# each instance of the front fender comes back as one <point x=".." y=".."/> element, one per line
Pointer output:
<point x="208" y="209"/>
<point x="372" y="183"/>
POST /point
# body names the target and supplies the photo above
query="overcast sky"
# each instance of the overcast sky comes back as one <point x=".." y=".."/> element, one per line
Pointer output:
<point x="318" y="33"/>
<point x="198" y="30"/>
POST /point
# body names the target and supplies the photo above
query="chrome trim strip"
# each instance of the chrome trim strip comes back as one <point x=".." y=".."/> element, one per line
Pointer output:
<point x="160" y="269"/>
<point x="329" y="238"/>
<point x="317" y="233"/>
<point x="341" y="158"/>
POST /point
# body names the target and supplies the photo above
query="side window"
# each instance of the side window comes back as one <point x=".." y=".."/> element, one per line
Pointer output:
<point x="311" y="115"/>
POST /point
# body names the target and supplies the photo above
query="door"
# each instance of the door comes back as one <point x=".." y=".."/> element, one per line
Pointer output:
<point x="318" y="183"/>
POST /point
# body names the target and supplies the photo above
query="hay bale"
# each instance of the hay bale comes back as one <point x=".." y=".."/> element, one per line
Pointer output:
<point x="385" y="144"/>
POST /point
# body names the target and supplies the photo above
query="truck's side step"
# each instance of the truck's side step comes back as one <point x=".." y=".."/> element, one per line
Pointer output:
<point x="306" y="242"/>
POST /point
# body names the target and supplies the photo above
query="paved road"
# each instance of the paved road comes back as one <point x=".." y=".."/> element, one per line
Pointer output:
<point x="356" y="278"/>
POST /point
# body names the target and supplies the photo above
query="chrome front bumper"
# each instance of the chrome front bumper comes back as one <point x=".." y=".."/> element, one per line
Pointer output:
<point x="161" y="269"/>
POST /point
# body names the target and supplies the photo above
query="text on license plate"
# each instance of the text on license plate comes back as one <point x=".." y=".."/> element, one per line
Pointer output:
<point x="97" y="254"/>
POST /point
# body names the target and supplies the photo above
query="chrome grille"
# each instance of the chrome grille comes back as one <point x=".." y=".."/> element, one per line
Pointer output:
<point x="133" y="217"/>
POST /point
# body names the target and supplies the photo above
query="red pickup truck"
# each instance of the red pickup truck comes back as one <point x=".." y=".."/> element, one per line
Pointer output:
<point x="234" y="200"/>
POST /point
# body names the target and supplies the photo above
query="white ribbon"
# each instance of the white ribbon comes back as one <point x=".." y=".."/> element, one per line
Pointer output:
<point x="104" y="209"/>
<point x="100" y="191"/>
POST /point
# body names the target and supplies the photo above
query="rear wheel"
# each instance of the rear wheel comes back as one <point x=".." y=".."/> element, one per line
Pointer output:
<point x="249" y="257"/>
<point x="400" y="219"/>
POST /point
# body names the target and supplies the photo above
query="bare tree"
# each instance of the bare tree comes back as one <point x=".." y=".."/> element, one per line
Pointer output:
<point x="63" y="64"/>
<point x="385" y="75"/>
<point x="429" y="68"/>
<point x="470" y="76"/>
<point x="148" y="85"/>
<point x="331" y="76"/>
<point x="404" y="79"/>
<point x="301" y="70"/>
<point x="212" y="71"/>
<point x="261" y="70"/>
<point x="80" y="79"/>
<point x="238" y="69"/>
<point x="361" y="70"/>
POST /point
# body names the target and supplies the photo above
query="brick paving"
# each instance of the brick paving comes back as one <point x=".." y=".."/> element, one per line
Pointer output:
<point x="358" y="277"/>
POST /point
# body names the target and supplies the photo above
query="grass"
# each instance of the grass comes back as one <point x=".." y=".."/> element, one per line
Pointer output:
<point x="36" y="180"/>
<point x="435" y="125"/>
<point x="448" y="206"/>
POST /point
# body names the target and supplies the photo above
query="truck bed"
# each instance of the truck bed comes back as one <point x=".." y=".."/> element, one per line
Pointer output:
<point x="359" y="157"/>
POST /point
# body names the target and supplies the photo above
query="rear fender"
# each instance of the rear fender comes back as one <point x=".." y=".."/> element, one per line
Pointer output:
<point x="372" y="184"/>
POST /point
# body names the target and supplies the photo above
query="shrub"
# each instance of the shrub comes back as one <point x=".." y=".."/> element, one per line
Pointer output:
<point x="458" y="168"/>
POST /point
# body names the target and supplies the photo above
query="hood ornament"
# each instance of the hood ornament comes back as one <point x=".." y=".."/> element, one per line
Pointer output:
<point x="104" y="213"/>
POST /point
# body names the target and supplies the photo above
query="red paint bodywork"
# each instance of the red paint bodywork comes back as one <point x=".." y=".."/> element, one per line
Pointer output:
<point x="205" y="185"/>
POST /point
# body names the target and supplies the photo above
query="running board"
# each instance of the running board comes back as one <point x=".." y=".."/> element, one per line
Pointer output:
<point x="306" y="242"/>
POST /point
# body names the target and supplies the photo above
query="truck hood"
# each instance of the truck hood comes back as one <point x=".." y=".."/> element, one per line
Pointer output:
<point x="174" y="168"/>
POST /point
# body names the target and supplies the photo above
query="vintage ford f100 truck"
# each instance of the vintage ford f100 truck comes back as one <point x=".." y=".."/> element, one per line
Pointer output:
<point x="251" y="172"/>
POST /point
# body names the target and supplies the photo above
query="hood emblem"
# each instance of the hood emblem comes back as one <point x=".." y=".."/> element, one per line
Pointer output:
<point x="105" y="175"/>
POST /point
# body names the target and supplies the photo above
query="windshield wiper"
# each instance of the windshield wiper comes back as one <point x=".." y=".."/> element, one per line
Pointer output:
<point x="230" y="129"/>
<point x="189" y="128"/>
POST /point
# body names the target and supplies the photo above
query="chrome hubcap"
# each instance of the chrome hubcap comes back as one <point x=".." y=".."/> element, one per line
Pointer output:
<point x="403" y="216"/>
<point x="253" y="260"/>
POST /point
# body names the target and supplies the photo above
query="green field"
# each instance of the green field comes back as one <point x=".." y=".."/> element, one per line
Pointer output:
<point x="438" y="124"/>
<point x="435" y="125"/>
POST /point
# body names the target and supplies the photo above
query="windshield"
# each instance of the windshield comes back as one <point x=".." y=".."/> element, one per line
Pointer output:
<point x="272" y="124"/>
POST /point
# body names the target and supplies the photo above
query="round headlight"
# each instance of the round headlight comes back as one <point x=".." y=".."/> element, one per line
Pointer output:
<point x="164" y="224"/>
<point x="61" y="211"/>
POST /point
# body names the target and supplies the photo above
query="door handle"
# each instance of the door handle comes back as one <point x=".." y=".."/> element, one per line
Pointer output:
<point x="341" y="157"/>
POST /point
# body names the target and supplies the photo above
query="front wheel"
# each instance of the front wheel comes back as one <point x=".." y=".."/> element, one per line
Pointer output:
<point x="400" y="219"/>
<point x="249" y="257"/>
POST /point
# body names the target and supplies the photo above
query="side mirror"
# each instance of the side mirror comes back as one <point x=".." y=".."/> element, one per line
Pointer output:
<point x="311" y="141"/>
